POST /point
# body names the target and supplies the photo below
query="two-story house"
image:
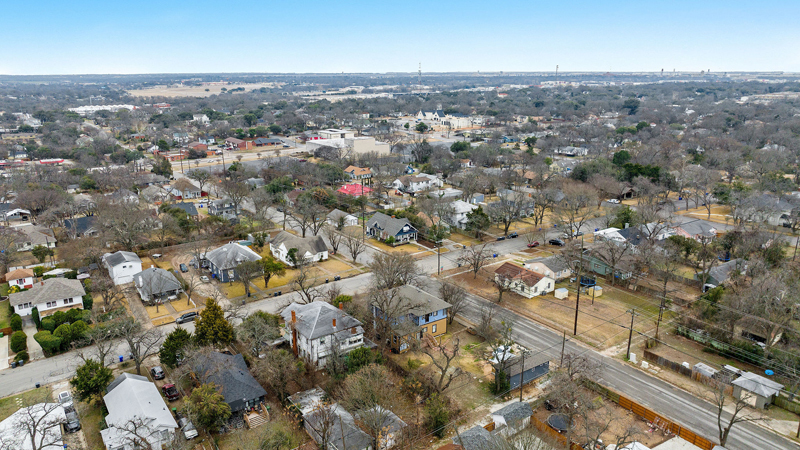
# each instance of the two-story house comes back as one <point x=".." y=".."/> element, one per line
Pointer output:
<point x="224" y="208"/>
<point x="553" y="266"/>
<point x="458" y="213"/>
<point x="310" y="249"/>
<point x="382" y="227"/>
<point x="317" y="329"/>
<point x="522" y="281"/>
<point x="183" y="189"/>
<point x="49" y="296"/>
<point x="358" y="173"/>
<point x="419" y="314"/>
<point x="122" y="266"/>
<point x="223" y="261"/>
<point x="22" y="278"/>
<point x="414" y="184"/>
<point x="433" y="116"/>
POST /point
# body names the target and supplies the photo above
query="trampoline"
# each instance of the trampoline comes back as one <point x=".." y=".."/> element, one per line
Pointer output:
<point x="558" y="422"/>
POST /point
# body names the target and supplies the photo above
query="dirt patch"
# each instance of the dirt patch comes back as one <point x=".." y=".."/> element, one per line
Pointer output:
<point x="163" y="321"/>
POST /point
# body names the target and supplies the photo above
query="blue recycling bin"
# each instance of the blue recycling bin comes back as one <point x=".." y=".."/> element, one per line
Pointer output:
<point x="494" y="255"/>
<point x="120" y="358"/>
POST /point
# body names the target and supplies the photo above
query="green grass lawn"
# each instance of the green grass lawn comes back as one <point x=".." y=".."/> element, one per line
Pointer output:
<point x="4" y="316"/>
<point x="9" y="405"/>
<point x="91" y="418"/>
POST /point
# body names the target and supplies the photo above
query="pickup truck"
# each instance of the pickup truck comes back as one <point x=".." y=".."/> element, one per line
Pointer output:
<point x="170" y="391"/>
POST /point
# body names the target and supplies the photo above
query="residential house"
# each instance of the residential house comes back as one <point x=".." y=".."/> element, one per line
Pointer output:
<point x="476" y="438"/>
<point x="268" y="142"/>
<point x="33" y="236"/>
<point x="358" y="173"/>
<point x="224" y="208"/>
<point x="123" y="197"/>
<point x="433" y="116"/>
<point x="180" y="137"/>
<point x="201" y="119"/>
<point x="155" y="194"/>
<point x="318" y="329"/>
<point x="423" y="314"/>
<point x="310" y="249"/>
<point x="390" y="425"/>
<point x="522" y="281"/>
<point x="511" y="419"/>
<point x="459" y="212"/>
<point x="721" y="273"/>
<point x="697" y="229"/>
<point x="135" y="399"/>
<point x="16" y="214"/>
<point x="553" y="267"/>
<point x="155" y="285"/>
<point x="150" y="179"/>
<point x="456" y="121"/>
<point x="255" y="182"/>
<point x="198" y="146"/>
<point x="466" y="163"/>
<point x="512" y="366"/>
<point x="755" y="390"/>
<point x="239" y="144"/>
<point x="183" y="189"/>
<point x="571" y="151"/>
<point x="623" y="271"/>
<point x="49" y="296"/>
<point x="354" y="190"/>
<point x="446" y="193"/>
<point x="291" y="196"/>
<point x="413" y="184"/>
<point x="189" y="208"/>
<point x="22" y="278"/>
<point x="81" y="227"/>
<point x="122" y="266"/>
<point x="382" y="227"/>
<point x="224" y="260"/>
<point x="340" y="427"/>
<point x="241" y="391"/>
<point x="337" y="217"/>
<point x="15" y="430"/>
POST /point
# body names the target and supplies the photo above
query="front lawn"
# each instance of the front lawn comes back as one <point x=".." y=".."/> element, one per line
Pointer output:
<point x="4" y="316"/>
<point x="10" y="405"/>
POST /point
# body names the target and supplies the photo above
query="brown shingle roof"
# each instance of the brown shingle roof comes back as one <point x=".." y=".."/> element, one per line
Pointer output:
<point x="513" y="272"/>
<point x="19" y="274"/>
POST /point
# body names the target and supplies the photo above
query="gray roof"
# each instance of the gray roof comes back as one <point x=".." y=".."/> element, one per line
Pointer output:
<point x="49" y="290"/>
<point x="36" y="235"/>
<point x="343" y="424"/>
<point x="515" y="412"/>
<point x="81" y="224"/>
<point x="155" y="280"/>
<point x="188" y="207"/>
<point x="132" y="396"/>
<point x="723" y="271"/>
<point x="124" y="376"/>
<point x="231" y="255"/>
<point x="316" y="319"/>
<point x="391" y="423"/>
<point x="267" y="141"/>
<point x="698" y="227"/>
<point x="421" y="302"/>
<point x="554" y="263"/>
<point x="115" y="259"/>
<point x="476" y="438"/>
<point x="312" y="244"/>
<point x="757" y="384"/>
<point x="230" y="373"/>
<point x="336" y="213"/>
<point x="392" y="226"/>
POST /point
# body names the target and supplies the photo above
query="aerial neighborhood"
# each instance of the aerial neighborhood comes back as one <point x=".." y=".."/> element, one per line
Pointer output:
<point x="355" y="262"/>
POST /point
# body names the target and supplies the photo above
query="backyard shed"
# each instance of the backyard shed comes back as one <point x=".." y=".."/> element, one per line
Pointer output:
<point x="756" y="390"/>
<point x="562" y="293"/>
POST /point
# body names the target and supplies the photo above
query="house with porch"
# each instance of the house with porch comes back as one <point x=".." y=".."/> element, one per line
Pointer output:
<point x="33" y="236"/>
<point x="318" y="329"/>
<point x="697" y="229"/>
<point x="222" y="261"/>
<point x="238" y="387"/>
<point x="49" y="296"/>
<point x="337" y="217"/>
<point x="413" y="184"/>
<point x="183" y="189"/>
<point x="382" y="227"/>
<point x="421" y="315"/>
<point x="458" y="213"/>
<point x="522" y="281"/>
<point x="156" y="285"/>
<point x="358" y="173"/>
<point x="311" y="249"/>
<point x="224" y="208"/>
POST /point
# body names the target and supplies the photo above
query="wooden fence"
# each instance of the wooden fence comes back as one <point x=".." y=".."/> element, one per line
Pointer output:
<point x="789" y="405"/>
<point x="649" y="415"/>
<point x="553" y="435"/>
<point x="663" y="362"/>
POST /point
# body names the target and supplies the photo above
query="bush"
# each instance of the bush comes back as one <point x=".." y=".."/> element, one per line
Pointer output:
<point x="49" y="324"/>
<point x="64" y="333"/>
<point x="11" y="311"/>
<point x="79" y="328"/>
<point x="38" y="271"/>
<point x="390" y="240"/>
<point x="19" y="341"/>
<point x="50" y="344"/>
<point x="60" y="317"/>
<point x="88" y="301"/>
<point x="361" y="357"/>
<point x="35" y="315"/>
<point x="21" y="356"/>
<point x="71" y="275"/>
<point x="437" y="415"/>
<point x="16" y="322"/>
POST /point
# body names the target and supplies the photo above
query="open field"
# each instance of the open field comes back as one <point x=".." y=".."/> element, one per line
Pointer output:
<point x="195" y="91"/>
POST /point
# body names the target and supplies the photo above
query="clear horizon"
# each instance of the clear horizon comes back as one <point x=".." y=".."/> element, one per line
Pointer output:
<point x="92" y="37"/>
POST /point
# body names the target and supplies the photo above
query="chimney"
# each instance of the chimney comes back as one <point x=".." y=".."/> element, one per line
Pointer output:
<point x="341" y="305"/>
<point x="334" y="322"/>
<point x="294" y="317"/>
<point x="353" y="330"/>
<point x="294" y="341"/>
<point x="393" y="216"/>
<point x="42" y="283"/>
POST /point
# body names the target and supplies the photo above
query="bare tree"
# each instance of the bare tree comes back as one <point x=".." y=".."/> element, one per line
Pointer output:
<point x="305" y="283"/>
<point x="566" y="391"/>
<point x="475" y="257"/>
<point x="503" y="282"/>
<point x="355" y="243"/>
<point x="392" y="270"/>
<point x="8" y="248"/>
<point x="726" y="420"/>
<point x="36" y="425"/>
<point x="510" y="208"/>
<point x="614" y="254"/>
<point x="202" y="177"/>
<point x="246" y="272"/>
<point x="100" y="340"/>
<point x="443" y="356"/>
<point x="578" y="205"/>
<point x="137" y="432"/>
<point x="334" y="236"/>
<point x="236" y="191"/>
<point x="456" y="296"/>
<point x="308" y="215"/>
<point x="142" y="342"/>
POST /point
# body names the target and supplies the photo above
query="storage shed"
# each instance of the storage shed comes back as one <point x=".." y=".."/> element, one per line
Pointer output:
<point x="756" y="390"/>
<point x="562" y="293"/>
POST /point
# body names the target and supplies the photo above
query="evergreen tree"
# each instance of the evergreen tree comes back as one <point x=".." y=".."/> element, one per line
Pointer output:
<point x="213" y="327"/>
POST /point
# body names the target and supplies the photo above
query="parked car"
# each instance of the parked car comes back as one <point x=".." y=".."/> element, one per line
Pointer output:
<point x="183" y="267"/>
<point x="533" y="244"/>
<point x="170" y="391"/>
<point x="557" y="242"/>
<point x="157" y="372"/>
<point x="513" y="235"/>
<point x="188" y="317"/>
<point x="189" y="431"/>
<point x="72" y="423"/>
<point x="501" y="238"/>
<point x="613" y="200"/>
<point x="204" y="279"/>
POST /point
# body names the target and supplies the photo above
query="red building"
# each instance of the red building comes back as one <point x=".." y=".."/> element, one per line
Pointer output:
<point x="355" y="190"/>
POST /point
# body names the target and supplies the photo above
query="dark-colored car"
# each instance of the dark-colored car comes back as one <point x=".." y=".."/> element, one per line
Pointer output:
<point x="184" y="269"/>
<point x="188" y="317"/>
<point x="533" y="244"/>
<point x="501" y="238"/>
<point x="513" y="235"/>
<point x="72" y="424"/>
<point x="157" y="372"/>
<point x="170" y="391"/>
<point x="557" y="242"/>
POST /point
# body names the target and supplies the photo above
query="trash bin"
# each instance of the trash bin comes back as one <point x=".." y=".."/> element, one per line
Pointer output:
<point x="21" y="363"/>
<point x="120" y="358"/>
<point x="13" y="364"/>
<point x="38" y="385"/>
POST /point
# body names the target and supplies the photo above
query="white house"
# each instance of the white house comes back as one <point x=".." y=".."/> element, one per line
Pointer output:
<point x="460" y="209"/>
<point x="554" y="267"/>
<point x="512" y="419"/>
<point x="22" y="278"/>
<point x="522" y="281"/>
<point x="311" y="249"/>
<point x="334" y="217"/>
<point x="433" y="116"/>
<point x="49" y="296"/>
<point x="34" y="236"/>
<point x="185" y="190"/>
<point x="317" y="328"/>
<point x="201" y="119"/>
<point x="122" y="266"/>
<point x="15" y="430"/>
<point x="134" y="403"/>
<point x="417" y="183"/>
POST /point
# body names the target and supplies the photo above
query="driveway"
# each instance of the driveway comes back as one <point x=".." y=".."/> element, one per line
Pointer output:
<point x="34" y="349"/>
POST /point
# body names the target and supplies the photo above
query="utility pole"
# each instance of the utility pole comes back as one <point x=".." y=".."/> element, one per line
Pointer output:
<point x="630" y="334"/>
<point x="563" y="344"/>
<point x="522" y="376"/>
<point x="578" y="298"/>
<point x="660" y="316"/>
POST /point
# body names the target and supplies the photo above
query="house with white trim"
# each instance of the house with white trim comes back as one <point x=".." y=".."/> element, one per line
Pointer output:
<point x="122" y="266"/>
<point x="49" y="296"/>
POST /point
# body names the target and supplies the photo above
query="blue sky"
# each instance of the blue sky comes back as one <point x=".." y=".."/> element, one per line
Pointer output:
<point x="68" y="37"/>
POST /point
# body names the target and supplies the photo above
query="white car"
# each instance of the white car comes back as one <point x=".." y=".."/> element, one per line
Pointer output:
<point x="613" y="200"/>
<point x="204" y="279"/>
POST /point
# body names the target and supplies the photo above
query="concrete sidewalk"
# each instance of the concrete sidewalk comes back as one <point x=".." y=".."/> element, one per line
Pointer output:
<point x="4" y="352"/>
